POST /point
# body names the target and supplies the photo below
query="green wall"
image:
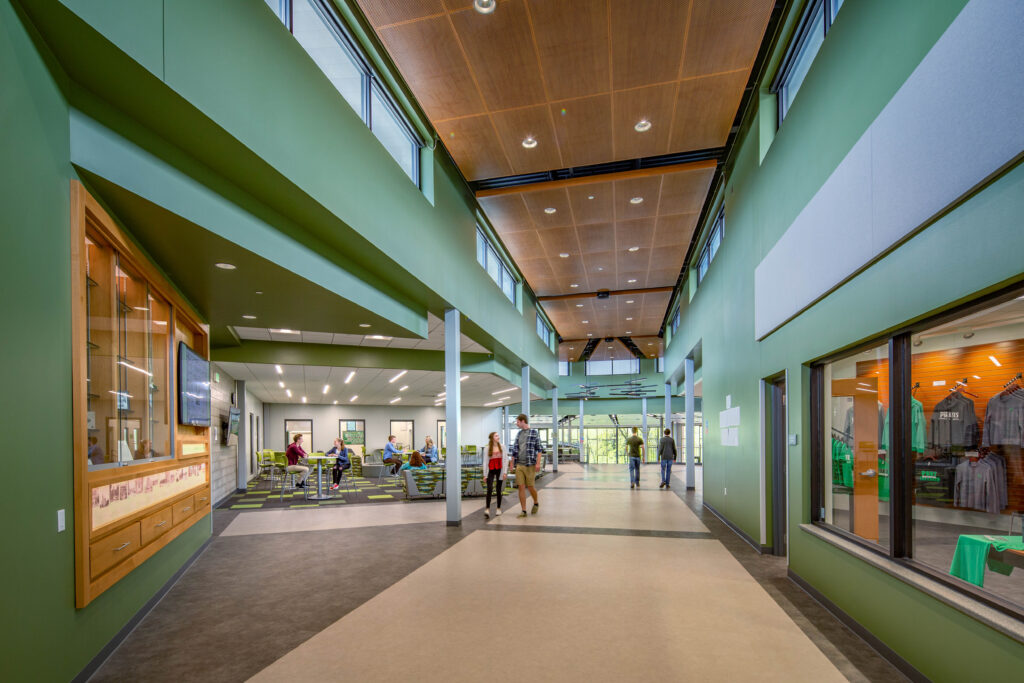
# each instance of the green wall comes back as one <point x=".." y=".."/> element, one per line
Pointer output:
<point x="870" y="51"/>
<point x="43" y="636"/>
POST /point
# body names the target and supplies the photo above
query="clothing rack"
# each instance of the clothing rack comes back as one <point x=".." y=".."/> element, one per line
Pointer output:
<point x="913" y="389"/>
<point x="1010" y="387"/>
<point x="960" y="387"/>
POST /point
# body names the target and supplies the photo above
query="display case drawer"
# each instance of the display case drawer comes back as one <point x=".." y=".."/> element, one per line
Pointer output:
<point x="203" y="502"/>
<point x="183" y="509"/>
<point x="156" y="524"/>
<point x="115" y="548"/>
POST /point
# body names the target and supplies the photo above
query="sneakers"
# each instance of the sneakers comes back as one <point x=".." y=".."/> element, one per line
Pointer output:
<point x="667" y="485"/>
<point x="521" y="514"/>
<point x="536" y="506"/>
<point x="632" y="485"/>
<point x="487" y="514"/>
<point x="497" y="513"/>
<point x="661" y="485"/>
<point x="334" y="487"/>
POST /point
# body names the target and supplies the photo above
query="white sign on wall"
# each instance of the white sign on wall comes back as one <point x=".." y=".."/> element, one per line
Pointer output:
<point x="729" y="423"/>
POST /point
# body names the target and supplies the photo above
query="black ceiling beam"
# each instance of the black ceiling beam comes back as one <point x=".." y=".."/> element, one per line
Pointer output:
<point x="594" y="170"/>
<point x="771" y="35"/>
<point x="588" y="350"/>
<point x="633" y="348"/>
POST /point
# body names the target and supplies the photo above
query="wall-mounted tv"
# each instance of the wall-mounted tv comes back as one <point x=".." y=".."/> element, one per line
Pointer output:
<point x="233" y="418"/>
<point x="193" y="388"/>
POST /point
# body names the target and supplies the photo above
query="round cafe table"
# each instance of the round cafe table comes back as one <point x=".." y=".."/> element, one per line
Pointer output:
<point x="320" y="495"/>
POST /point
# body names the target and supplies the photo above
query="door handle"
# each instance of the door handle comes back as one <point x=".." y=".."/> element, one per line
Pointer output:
<point x="869" y="473"/>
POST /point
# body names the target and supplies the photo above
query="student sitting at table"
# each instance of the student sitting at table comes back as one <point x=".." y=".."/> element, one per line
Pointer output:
<point x="392" y="454"/>
<point x="294" y="455"/>
<point x="415" y="462"/>
<point x="342" y="463"/>
<point x="429" y="451"/>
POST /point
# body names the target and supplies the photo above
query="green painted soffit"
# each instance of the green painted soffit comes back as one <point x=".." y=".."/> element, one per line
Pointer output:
<point x="605" y="406"/>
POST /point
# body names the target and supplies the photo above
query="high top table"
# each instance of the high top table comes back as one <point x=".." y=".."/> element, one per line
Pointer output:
<point x="320" y="495"/>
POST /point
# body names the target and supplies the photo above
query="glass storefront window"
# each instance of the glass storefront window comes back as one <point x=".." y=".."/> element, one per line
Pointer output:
<point x="304" y="427"/>
<point x="967" y="433"/>
<point x="127" y="365"/>
<point x="856" y="476"/>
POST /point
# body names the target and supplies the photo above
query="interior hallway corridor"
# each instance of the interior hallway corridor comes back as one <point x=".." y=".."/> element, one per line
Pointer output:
<point x="606" y="583"/>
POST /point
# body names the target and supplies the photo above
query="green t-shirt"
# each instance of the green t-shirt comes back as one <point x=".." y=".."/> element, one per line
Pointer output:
<point x="634" y="443"/>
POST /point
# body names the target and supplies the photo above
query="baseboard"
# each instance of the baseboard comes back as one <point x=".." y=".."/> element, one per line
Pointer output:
<point x="108" y="649"/>
<point x="762" y="549"/>
<point x="886" y="652"/>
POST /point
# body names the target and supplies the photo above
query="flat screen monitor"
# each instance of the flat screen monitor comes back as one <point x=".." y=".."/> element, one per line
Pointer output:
<point x="233" y="418"/>
<point x="193" y="388"/>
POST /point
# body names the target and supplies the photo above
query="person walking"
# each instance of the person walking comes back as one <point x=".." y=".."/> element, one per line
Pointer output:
<point x="635" y="451"/>
<point x="667" y="455"/>
<point x="527" y="453"/>
<point x="495" y="470"/>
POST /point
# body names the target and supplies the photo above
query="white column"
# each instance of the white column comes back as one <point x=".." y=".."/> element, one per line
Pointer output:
<point x="643" y="423"/>
<point x="688" y="369"/>
<point x="526" y="390"/>
<point x="242" y="453"/>
<point x="554" y="429"/>
<point x="504" y="425"/>
<point x="582" y="448"/>
<point x="453" y="417"/>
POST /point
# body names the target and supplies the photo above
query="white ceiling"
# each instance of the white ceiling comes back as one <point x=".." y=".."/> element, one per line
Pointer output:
<point x="371" y="385"/>
<point x="434" y="340"/>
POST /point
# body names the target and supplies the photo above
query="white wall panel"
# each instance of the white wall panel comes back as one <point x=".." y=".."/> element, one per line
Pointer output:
<point x="953" y="123"/>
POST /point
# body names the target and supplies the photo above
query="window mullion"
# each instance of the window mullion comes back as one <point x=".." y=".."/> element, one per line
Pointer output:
<point x="900" y="461"/>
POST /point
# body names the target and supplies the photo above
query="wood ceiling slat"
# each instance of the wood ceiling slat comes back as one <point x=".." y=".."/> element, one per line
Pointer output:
<point x="668" y="256"/>
<point x="384" y="12"/>
<point x="639" y="232"/>
<point x="646" y="188"/>
<point x="572" y="39"/>
<point x="705" y="109"/>
<point x="555" y="240"/>
<point x="596" y="210"/>
<point x="526" y="242"/>
<point x="724" y="35"/>
<point x="500" y="51"/>
<point x="596" y="238"/>
<point x="582" y="128"/>
<point x="508" y="213"/>
<point x="676" y="229"/>
<point x="538" y="265"/>
<point x="646" y="41"/>
<point x="537" y="202"/>
<point x="429" y="58"/>
<point x="653" y="103"/>
<point x="474" y="145"/>
<point x="516" y="124"/>
<point x="684" y="192"/>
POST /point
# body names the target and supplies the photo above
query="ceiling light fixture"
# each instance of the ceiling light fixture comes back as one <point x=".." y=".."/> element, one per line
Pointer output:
<point x="353" y="398"/>
<point x="364" y="324"/>
<point x="630" y="301"/>
<point x="249" y="317"/>
<point x="403" y="387"/>
<point x="442" y="394"/>
<point x="636" y="200"/>
<point x="628" y="318"/>
<point x="350" y="376"/>
<point x="993" y="359"/>
<point x="590" y="334"/>
<point x="327" y="387"/>
<point x="579" y="305"/>
<point x="563" y="255"/>
<point x="550" y="210"/>
<point x="628" y="332"/>
<point x="968" y="335"/>
<point x="492" y="403"/>
<point x="258" y="291"/>
<point x="395" y="400"/>
<point x="529" y="142"/>
<point x="303" y="399"/>
<point x="631" y="281"/>
<point x="281" y="384"/>
<point x="285" y="330"/>
<point x="464" y="378"/>
<point x="289" y="392"/>
<point x="585" y="322"/>
<point x="377" y="336"/>
<point x="485" y="6"/>
<point x="335" y="403"/>
<point x="634" y="249"/>
<point x="503" y="391"/>
<point x="279" y="370"/>
<point x="223" y="265"/>
<point x="397" y="377"/>
<point x="590" y="196"/>
<point x="642" y="126"/>
<point x="977" y="377"/>
<point x="574" y="285"/>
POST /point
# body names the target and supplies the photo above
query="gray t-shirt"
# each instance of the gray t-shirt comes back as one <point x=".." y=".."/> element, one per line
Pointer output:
<point x="523" y="437"/>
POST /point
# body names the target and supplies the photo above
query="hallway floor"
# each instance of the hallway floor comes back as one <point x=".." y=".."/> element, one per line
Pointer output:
<point x="606" y="583"/>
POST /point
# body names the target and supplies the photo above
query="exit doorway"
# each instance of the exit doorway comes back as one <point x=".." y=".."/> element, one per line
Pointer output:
<point x="777" y="444"/>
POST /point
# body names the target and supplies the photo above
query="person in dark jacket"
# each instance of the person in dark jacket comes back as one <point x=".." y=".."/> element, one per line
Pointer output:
<point x="342" y="463"/>
<point x="667" y="455"/>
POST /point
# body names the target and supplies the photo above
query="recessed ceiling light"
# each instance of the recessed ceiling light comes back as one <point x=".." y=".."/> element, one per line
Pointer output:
<point x="225" y="266"/>
<point x="285" y="330"/>
<point x="628" y="332"/>
<point x="590" y="334"/>
<point x="289" y="392"/>
<point x="574" y="285"/>
<point x="378" y="336"/>
<point x="628" y="318"/>
<point x="642" y="126"/>
<point x="563" y="255"/>
<point x="351" y="374"/>
<point x="395" y="400"/>
<point x="630" y="301"/>
<point x="258" y="291"/>
<point x="590" y="196"/>
<point x="303" y="399"/>
<point x="631" y="281"/>
<point x="353" y="398"/>
<point x="572" y="348"/>
<point x="327" y="387"/>
<point x="634" y="249"/>
<point x="600" y="267"/>
<point x="281" y="384"/>
<point x="279" y="370"/>
<point x="464" y="378"/>
<point x="403" y="387"/>
<point x="249" y="317"/>
<point x="503" y="391"/>
<point x="585" y="322"/>
<point x="398" y="376"/>
<point x="442" y="394"/>
<point x="579" y="305"/>
<point x="550" y="210"/>
<point x="636" y="200"/>
<point x="650" y="343"/>
<point x="529" y="142"/>
<point x="485" y="6"/>
<point x="364" y="324"/>
<point x="997" y="363"/>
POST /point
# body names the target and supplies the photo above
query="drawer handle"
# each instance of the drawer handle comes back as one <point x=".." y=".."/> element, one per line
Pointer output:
<point x="161" y="524"/>
<point x="202" y="500"/>
<point x="123" y="546"/>
<point x="186" y="509"/>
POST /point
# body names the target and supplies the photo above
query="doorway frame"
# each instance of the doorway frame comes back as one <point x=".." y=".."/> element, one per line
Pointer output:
<point x="775" y="462"/>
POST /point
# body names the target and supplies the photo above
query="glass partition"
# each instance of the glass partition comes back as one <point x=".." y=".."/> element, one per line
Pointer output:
<point x="304" y="427"/>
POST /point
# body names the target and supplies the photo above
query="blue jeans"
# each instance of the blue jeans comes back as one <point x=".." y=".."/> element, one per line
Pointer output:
<point x="666" y="471"/>
<point x="634" y="470"/>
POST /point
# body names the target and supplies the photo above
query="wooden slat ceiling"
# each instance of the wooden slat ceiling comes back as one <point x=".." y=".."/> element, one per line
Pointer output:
<point x="577" y="76"/>
<point x="651" y="347"/>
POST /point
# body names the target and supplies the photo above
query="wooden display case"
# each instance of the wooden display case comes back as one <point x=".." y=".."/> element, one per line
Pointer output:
<point x="149" y="480"/>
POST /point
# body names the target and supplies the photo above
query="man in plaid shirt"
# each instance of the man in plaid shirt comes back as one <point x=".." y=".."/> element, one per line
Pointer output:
<point x="527" y="453"/>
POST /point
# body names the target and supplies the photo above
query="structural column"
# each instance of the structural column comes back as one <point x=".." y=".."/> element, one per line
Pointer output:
<point x="688" y="369"/>
<point x="526" y="390"/>
<point x="453" y="417"/>
<point x="241" y="456"/>
<point x="643" y="425"/>
<point x="582" y="448"/>
<point x="668" y="407"/>
<point x="554" y="429"/>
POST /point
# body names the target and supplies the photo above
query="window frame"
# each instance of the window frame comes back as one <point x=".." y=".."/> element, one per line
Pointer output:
<point x="711" y="247"/>
<point x="797" y="44"/>
<point x="490" y="250"/>
<point x="900" y="551"/>
<point x="568" y="368"/>
<point x="544" y="330"/>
